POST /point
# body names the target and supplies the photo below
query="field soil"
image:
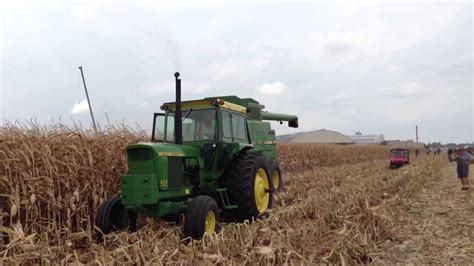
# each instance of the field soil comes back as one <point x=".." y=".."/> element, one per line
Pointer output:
<point x="438" y="224"/>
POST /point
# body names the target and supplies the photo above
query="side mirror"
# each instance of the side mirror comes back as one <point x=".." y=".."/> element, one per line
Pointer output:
<point x="293" y="123"/>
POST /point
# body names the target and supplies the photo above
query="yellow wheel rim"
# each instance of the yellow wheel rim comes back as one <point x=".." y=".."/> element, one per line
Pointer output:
<point x="210" y="225"/>
<point x="262" y="196"/>
<point x="276" y="179"/>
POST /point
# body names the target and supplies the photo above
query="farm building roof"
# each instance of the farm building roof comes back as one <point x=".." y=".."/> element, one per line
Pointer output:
<point x="316" y="136"/>
<point x="368" y="139"/>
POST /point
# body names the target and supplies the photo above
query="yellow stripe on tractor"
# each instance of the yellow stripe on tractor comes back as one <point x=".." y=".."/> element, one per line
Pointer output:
<point x="205" y="104"/>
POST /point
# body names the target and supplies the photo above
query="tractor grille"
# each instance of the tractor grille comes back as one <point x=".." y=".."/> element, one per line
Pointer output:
<point x="175" y="172"/>
<point x="140" y="155"/>
<point x="140" y="161"/>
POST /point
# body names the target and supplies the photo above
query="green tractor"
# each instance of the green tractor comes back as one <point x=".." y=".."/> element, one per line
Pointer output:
<point x="206" y="158"/>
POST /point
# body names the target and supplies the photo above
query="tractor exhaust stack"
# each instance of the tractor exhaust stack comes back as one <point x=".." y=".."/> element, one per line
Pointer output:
<point x="178" y="126"/>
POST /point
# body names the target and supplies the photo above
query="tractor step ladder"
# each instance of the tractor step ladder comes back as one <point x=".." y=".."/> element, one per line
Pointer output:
<point x="225" y="199"/>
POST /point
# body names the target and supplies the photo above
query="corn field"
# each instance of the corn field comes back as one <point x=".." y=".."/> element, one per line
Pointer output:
<point x="337" y="207"/>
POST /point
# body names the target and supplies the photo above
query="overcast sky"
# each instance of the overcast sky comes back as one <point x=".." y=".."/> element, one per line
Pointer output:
<point x="375" y="68"/>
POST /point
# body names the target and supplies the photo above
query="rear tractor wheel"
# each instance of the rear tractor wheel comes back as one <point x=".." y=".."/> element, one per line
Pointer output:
<point x="277" y="179"/>
<point x="250" y="186"/>
<point x="112" y="216"/>
<point x="202" y="217"/>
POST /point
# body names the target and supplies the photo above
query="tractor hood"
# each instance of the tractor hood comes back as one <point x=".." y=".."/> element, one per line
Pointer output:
<point x="155" y="170"/>
<point x="168" y="149"/>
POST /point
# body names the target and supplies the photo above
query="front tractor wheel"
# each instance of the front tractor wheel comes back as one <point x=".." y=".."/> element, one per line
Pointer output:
<point x="250" y="186"/>
<point x="202" y="216"/>
<point x="112" y="216"/>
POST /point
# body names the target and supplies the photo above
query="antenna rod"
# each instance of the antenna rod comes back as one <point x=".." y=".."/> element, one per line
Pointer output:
<point x="88" y="101"/>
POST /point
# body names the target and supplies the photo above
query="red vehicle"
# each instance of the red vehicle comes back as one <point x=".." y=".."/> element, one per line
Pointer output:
<point x="399" y="157"/>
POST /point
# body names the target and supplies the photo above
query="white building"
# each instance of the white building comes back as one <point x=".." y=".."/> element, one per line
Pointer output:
<point x="316" y="136"/>
<point x="358" y="138"/>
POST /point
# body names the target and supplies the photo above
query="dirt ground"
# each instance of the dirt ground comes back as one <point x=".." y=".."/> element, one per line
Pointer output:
<point x="438" y="224"/>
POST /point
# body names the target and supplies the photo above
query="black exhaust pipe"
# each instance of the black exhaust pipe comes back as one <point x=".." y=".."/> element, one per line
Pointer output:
<point x="178" y="126"/>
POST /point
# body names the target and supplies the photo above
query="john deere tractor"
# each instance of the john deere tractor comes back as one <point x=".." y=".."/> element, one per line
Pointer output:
<point x="206" y="158"/>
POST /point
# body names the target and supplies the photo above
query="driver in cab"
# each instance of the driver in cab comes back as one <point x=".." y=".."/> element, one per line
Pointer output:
<point x="206" y="130"/>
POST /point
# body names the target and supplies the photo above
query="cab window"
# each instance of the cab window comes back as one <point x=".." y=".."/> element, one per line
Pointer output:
<point x="197" y="125"/>
<point x="226" y="125"/>
<point x="238" y="126"/>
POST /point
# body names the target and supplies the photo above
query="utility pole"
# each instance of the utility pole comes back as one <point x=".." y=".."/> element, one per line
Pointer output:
<point x="88" y="101"/>
<point x="416" y="133"/>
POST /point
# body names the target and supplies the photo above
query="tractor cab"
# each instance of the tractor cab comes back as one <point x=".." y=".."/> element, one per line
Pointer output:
<point x="197" y="125"/>
<point x="204" y="121"/>
<point x="399" y="157"/>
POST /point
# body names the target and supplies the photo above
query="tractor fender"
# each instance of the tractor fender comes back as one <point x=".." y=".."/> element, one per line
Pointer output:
<point x="243" y="148"/>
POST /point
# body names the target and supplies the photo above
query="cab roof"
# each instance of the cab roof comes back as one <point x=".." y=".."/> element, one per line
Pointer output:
<point x="228" y="102"/>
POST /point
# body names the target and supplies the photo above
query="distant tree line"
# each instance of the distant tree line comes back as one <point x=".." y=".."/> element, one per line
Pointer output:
<point x="439" y="145"/>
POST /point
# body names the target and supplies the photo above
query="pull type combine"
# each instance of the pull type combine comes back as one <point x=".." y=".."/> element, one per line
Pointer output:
<point x="206" y="158"/>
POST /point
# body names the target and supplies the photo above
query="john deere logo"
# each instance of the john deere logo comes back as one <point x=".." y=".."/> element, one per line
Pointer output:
<point x="164" y="183"/>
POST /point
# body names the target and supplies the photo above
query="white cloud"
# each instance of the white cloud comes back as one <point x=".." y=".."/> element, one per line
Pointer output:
<point x="411" y="89"/>
<point x="80" y="107"/>
<point x="272" y="88"/>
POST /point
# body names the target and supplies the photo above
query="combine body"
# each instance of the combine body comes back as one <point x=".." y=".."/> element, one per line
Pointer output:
<point x="216" y="154"/>
<point x="399" y="157"/>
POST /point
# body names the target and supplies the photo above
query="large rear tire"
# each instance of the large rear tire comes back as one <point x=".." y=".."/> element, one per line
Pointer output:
<point x="250" y="186"/>
<point x="277" y="179"/>
<point x="202" y="217"/>
<point x="112" y="216"/>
